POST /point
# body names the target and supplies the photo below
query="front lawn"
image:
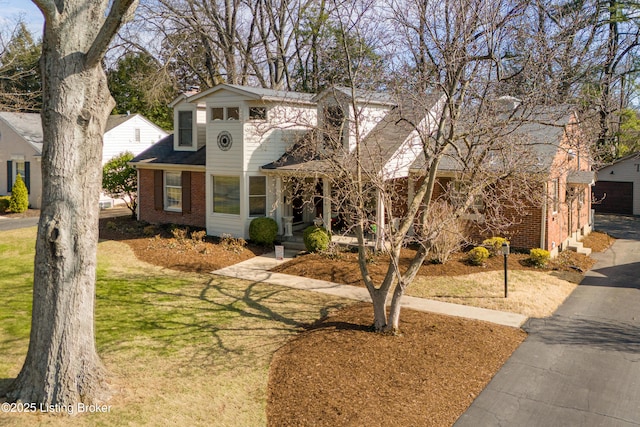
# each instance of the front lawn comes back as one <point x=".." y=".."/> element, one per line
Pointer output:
<point x="184" y="348"/>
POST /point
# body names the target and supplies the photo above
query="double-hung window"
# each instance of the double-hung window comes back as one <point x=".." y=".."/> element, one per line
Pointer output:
<point x="185" y="128"/>
<point x="173" y="191"/>
<point x="257" y="196"/>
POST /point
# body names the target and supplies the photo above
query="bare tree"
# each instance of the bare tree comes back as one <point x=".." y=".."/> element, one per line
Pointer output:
<point x="447" y="110"/>
<point x="62" y="366"/>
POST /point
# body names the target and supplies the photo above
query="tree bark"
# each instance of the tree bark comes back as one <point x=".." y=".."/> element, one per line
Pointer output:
<point x="62" y="366"/>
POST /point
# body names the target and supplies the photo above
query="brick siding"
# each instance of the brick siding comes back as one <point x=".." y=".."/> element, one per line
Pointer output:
<point x="148" y="213"/>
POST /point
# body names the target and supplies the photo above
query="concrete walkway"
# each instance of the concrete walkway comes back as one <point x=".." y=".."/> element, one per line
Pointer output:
<point x="257" y="269"/>
<point x="580" y="367"/>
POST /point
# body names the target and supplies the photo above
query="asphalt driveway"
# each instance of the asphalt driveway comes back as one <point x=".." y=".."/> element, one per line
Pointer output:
<point x="580" y="367"/>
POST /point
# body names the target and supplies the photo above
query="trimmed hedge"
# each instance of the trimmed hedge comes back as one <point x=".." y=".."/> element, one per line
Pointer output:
<point x="478" y="255"/>
<point x="494" y="245"/>
<point x="539" y="257"/>
<point x="263" y="230"/>
<point x="19" y="196"/>
<point x="4" y="203"/>
<point x="316" y="239"/>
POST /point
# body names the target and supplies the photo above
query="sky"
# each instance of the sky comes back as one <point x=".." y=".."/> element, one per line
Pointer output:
<point x="12" y="10"/>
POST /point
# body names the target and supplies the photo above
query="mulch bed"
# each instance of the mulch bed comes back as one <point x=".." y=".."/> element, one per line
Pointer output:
<point x="337" y="372"/>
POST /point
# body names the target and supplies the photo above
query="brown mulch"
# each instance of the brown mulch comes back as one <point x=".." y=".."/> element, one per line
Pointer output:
<point x="157" y="245"/>
<point x="337" y="372"/>
<point x="344" y="268"/>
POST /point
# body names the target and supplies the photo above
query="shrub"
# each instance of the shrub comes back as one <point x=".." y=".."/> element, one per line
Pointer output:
<point x="316" y="239"/>
<point x="19" y="196"/>
<point x="4" y="203"/>
<point x="232" y="244"/>
<point x="149" y="230"/>
<point x="478" y="255"/>
<point x="494" y="245"/>
<point x="263" y="231"/>
<point x="198" y="236"/>
<point x="449" y="231"/>
<point x="539" y="257"/>
<point x="179" y="234"/>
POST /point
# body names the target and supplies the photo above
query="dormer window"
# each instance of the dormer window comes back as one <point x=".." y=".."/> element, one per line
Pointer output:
<point x="334" y="125"/>
<point x="225" y="113"/>
<point x="257" y="113"/>
<point x="185" y="128"/>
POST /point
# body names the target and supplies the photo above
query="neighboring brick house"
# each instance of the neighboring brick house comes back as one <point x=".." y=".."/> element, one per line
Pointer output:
<point x="561" y="215"/>
<point x="235" y="148"/>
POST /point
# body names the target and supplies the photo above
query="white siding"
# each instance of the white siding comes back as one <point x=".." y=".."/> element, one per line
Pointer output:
<point x="255" y="143"/>
<point x="201" y="126"/>
<point x="13" y="146"/>
<point x="123" y="138"/>
<point x="625" y="171"/>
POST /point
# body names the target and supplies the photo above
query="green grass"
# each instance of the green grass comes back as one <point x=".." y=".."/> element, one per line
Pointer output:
<point x="182" y="348"/>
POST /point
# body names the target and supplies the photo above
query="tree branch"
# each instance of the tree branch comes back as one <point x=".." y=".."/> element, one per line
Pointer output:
<point x="47" y="7"/>
<point x="120" y="12"/>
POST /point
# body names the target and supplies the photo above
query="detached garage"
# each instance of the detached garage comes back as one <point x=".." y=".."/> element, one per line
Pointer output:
<point x="617" y="188"/>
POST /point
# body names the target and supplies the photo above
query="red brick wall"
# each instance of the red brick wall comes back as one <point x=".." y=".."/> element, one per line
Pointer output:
<point x="146" y="205"/>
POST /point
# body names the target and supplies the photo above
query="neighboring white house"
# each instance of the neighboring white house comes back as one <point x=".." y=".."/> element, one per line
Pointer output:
<point x="21" y="146"/>
<point x="617" y="188"/>
<point x="129" y="132"/>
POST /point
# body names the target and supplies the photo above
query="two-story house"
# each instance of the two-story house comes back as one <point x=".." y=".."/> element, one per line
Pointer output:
<point x="236" y="150"/>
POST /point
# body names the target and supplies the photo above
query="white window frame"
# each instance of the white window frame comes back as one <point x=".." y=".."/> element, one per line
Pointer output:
<point x="182" y="131"/>
<point x="167" y="187"/>
<point x="136" y="135"/>
<point x="213" y="195"/>
<point x="262" y="117"/>
<point x="225" y="113"/>
<point x="258" y="196"/>
<point x="15" y="171"/>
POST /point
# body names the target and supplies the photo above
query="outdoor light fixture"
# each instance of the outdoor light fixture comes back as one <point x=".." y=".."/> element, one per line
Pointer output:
<point x="505" y="252"/>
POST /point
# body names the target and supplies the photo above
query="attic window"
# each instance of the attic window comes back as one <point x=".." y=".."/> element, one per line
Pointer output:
<point x="233" y="113"/>
<point x="217" y="114"/>
<point x="225" y="113"/>
<point x="257" y="113"/>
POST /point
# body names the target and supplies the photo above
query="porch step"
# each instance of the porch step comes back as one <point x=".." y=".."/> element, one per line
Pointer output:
<point x="294" y="245"/>
<point x="578" y="247"/>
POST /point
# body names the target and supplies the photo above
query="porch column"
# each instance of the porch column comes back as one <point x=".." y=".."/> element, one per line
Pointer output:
<point x="279" y="204"/>
<point x="326" y="203"/>
<point x="380" y="222"/>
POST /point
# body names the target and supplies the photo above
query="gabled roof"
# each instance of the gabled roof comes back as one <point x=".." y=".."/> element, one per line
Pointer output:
<point x="362" y="96"/>
<point x="254" y="93"/>
<point x="378" y="146"/>
<point x="27" y="125"/>
<point x="632" y="156"/>
<point x="538" y="132"/>
<point x="116" y="120"/>
<point x="162" y="153"/>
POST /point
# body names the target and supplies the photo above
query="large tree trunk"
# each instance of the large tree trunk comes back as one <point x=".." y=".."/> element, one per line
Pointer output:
<point x="62" y="366"/>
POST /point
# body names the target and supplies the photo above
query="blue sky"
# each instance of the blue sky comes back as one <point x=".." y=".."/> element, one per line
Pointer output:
<point x="11" y="10"/>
